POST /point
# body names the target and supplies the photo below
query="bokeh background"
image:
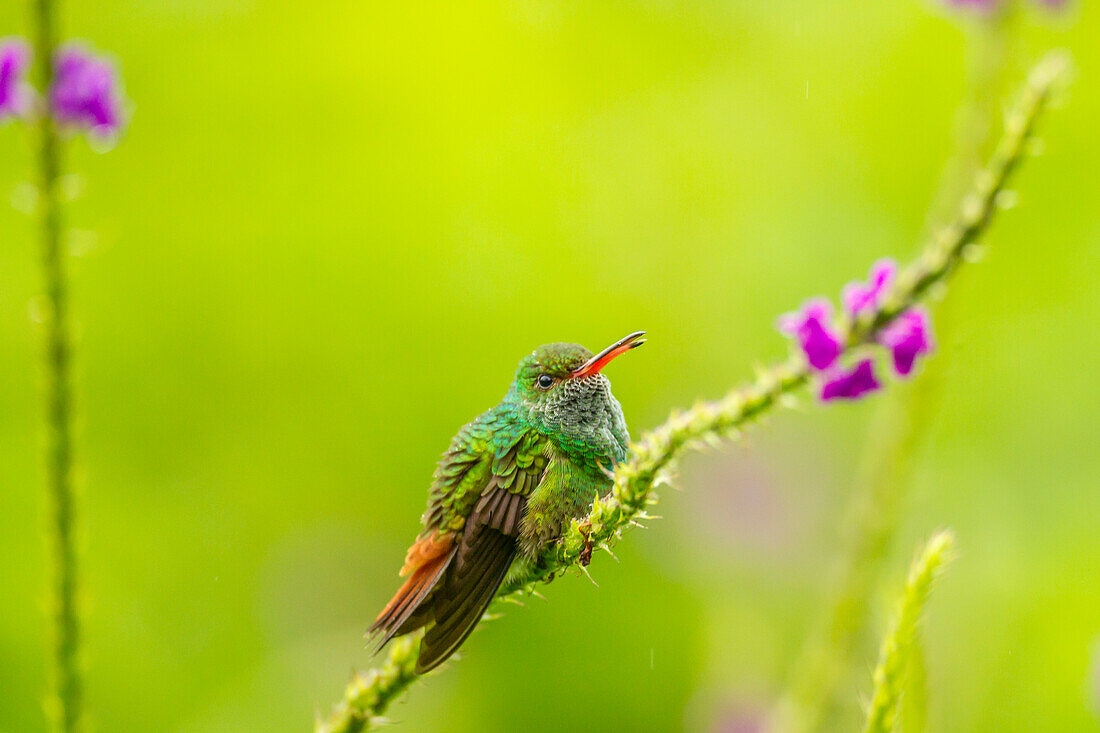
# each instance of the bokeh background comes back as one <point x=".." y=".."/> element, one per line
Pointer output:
<point x="333" y="228"/>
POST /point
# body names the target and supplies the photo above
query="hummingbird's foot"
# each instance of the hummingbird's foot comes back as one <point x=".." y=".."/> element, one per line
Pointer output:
<point x="586" y="551"/>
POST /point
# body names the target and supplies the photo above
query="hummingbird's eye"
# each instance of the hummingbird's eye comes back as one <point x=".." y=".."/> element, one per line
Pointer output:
<point x="545" y="381"/>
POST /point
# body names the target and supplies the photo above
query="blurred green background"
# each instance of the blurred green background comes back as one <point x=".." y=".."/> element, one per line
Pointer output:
<point x="333" y="228"/>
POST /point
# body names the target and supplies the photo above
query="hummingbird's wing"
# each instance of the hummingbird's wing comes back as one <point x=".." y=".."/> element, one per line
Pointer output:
<point x="469" y="540"/>
<point x="460" y="477"/>
<point x="486" y="549"/>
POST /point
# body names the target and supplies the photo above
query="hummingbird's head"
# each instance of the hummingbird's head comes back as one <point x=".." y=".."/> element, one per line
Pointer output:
<point x="567" y="396"/>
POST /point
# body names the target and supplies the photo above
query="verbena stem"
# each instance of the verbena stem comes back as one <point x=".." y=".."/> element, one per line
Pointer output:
<point x="890" y="673"/>
<point x="653" y="457"/>
<point x="370" y="693"/>
<point x="66" y="701"/>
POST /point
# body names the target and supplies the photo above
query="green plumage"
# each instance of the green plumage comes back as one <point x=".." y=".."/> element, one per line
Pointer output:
<point x="507" y="487"/>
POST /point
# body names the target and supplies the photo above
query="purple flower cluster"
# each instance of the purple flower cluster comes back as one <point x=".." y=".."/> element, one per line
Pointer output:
<point x="85" y="93"/>
<point x="907" y="338"/>
<point x="13" y="89"/>
<point x="989" y="5"/>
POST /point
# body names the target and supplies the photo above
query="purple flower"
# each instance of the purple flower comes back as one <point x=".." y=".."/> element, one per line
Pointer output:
<point x="988" y="5"/>
<point x="85" y="91"/>
<point x="851" y="384"/>
<point x="981" y="5"/>
<point x="814" y="333"/>
<point x="859" y="296"/>
<point x="908" y="337"/>
<point x="13" y="90"/>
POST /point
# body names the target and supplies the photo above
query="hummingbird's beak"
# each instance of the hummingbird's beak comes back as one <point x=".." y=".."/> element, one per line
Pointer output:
<point x="600" y="360"/>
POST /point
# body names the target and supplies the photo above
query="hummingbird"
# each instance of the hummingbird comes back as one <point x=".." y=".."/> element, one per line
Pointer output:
<point x="506" y="488"/>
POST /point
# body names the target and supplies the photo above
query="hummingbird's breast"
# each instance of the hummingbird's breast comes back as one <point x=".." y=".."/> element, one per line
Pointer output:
<point x="565" y="493"/>
<point x="585" y="437"/>
<point x="585" y="423"/>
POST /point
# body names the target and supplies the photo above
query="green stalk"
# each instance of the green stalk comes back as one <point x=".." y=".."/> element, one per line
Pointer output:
<point x="370" y="693"/>
<point x="913" y="710"/>
<point x="66" y="698"/>
<point x="894" y="657"/>
<point x="653" y="457"/>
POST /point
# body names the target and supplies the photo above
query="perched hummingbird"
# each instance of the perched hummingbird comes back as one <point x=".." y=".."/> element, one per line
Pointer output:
<point x="506" y="488"/>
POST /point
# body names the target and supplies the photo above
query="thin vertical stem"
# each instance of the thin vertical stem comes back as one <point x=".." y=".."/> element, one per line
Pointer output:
<point x="895" y="654"/>
<point x="66" y="694"/>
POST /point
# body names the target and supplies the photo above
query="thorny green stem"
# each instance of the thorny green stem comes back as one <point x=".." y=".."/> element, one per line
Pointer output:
<point x="991" y="49"/>
<point x="653" y="458"/>
<point x="894" y="657"/>
<point x="913" y="709"/>
<point x="945" y="252"/>
<point x="66" y="699"/>
<point x="370" y="693"/>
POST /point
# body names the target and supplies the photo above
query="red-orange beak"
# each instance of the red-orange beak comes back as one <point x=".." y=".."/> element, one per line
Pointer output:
<point x="600" y="360"/>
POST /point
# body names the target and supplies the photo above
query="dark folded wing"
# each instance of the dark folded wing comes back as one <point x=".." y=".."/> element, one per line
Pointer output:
<point x="468" y="590"/>
<point x="485" y="552"/>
